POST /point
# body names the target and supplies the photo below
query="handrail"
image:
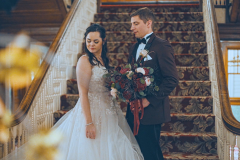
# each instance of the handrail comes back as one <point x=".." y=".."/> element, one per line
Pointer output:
<point x="228" y="118"/>
<point x="33" y="89"/>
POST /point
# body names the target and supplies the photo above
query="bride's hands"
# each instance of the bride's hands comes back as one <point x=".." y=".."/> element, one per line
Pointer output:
<point x="91" y="131"/>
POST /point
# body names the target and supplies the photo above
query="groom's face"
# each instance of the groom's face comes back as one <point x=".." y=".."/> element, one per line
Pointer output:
<point x="139" y="28"/>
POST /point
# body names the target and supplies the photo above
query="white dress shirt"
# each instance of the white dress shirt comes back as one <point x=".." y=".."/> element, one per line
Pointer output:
<point x="142" y="46"/>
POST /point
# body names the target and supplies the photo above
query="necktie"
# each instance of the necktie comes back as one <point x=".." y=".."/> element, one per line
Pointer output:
<point x="144" y="41"/>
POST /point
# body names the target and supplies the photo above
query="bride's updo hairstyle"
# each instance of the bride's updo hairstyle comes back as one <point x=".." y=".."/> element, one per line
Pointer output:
<point x="92" y="58"/>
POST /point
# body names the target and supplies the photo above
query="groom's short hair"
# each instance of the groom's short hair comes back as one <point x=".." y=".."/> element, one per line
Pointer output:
<point x="144" y="14"/>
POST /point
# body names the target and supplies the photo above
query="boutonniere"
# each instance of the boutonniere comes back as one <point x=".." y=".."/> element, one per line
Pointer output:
<point x="145" y="53"/>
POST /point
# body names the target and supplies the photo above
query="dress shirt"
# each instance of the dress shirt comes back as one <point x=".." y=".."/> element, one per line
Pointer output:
<point x="142" y="46"/>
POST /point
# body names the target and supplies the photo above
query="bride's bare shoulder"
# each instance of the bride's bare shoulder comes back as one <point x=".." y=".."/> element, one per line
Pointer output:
<point x="83" y="62"/>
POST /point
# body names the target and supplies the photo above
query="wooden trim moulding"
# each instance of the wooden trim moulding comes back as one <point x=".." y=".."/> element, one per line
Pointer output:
<point x="110" y="5"/>
<point x="229" y="31"/>
<point x="235" y="10"/>
<point x="62" y="7"/>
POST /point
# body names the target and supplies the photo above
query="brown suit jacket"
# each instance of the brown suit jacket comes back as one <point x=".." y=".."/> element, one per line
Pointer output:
<point x="166" y="77"/>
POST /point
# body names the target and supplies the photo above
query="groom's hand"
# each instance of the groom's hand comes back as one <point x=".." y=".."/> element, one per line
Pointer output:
<point x="145" y="102"/>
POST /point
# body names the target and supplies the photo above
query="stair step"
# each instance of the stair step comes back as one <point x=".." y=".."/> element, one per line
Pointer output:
<point x="158" y="26"/>
<point x="189" y="156"/>
<point x="176" y="36"/>
<point x="184" y="88"/>
<point x="192" y="88"/>
<point x="181" y="60"/>
<point x="184" y="104"/>
<point x="178" y="47"/>
<point x="194" y="123"/>
<point x="193" y="73"/>
<point x="153" y="7"/>
<point x="162" y="17"/>
<point x="191" y="104"/>
<point x="187" y="105"/>
<point x="194" y="143"/>
<point x="184" y="73"/>
<point x="68" y="101"/>
<point x="42" y="34"/>
<point x="193" y="60"/>
<point x="58" y="114"/>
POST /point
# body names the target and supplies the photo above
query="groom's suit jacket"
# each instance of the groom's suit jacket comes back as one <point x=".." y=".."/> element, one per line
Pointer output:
<point x="165" y="75"/>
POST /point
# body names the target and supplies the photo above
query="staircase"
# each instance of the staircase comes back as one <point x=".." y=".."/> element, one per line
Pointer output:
<point x="41" y="19"/>
<point x="191" y="132"/>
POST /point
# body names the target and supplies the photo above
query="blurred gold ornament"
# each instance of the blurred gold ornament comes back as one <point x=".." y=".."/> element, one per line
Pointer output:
<point x="44" y="145"/>
<point x="18" y="63"/>
<point x="5" y="122"/>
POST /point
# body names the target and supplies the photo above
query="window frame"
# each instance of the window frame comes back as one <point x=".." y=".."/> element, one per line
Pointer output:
<point x="228" y="45"/>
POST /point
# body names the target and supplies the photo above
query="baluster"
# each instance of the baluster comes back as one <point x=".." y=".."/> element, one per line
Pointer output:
<point x="232" y="143"/>
<point x="230" y="151"/>
<point x="5" y="146"/>
<point x="46" y="121"/>
<point x="19" y="134"/>
<point x="14" y="133"/>
<point x="23" y="137"/>
<point x="236" y="151"/>
<point x="237" y="147"/>
<point x="227" y="146"/>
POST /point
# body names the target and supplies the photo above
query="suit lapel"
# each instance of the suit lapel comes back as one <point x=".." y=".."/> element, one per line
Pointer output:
<point x="133" y="54"/>
<point x="148" y="45"/>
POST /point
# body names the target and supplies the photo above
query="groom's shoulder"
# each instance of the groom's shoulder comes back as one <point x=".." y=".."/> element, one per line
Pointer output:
<point x="160" y="40"/>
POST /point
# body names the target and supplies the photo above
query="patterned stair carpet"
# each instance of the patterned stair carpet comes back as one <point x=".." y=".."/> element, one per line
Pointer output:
<point x="191" y="132"/>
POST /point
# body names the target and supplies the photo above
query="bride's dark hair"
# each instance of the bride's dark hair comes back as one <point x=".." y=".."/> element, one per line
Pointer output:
<point x="92" y="58"/>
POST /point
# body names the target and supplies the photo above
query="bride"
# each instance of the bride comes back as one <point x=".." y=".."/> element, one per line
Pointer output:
<point x="95" y="129"/>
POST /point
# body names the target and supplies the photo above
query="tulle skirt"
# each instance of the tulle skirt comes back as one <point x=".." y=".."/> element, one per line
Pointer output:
<point x="114" y="138"/>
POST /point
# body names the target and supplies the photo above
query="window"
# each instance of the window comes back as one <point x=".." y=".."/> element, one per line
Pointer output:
<point x="233" y="75"/>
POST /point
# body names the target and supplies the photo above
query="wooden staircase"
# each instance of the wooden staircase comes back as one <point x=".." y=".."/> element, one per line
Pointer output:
<point x="41" y="19"/>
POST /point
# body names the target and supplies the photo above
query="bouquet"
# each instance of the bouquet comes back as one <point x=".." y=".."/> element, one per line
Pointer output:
<point x="130" y="83"/>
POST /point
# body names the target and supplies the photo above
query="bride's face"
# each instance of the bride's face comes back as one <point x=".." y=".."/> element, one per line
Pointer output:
<point x="94" y="43"/>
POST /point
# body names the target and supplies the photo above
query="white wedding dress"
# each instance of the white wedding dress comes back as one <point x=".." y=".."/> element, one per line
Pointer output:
<point x="114" y="139"/>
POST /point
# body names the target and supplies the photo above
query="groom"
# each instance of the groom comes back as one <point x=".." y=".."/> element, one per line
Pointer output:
<point x="156" y="108"/>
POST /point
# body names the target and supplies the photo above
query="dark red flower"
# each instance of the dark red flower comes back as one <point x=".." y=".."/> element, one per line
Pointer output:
<point x="140" y="86"/>
<point x="122" y="84"/>
<point x="146" y="71"/>
<point x="118" y="68"/>
<point x="127" y="95"/>
<point x="135" y="76"/>
<point x="118" y="77"/>
<point x="123" y="71"/>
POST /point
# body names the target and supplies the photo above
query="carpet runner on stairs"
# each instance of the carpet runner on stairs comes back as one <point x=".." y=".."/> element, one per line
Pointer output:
<point x="191" y="132"/>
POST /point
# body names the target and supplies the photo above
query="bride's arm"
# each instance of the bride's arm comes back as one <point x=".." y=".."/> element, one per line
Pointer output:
<point x="84" y="72"/>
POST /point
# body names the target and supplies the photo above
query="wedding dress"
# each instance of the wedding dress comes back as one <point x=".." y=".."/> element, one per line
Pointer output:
<point x="114" y="138"/>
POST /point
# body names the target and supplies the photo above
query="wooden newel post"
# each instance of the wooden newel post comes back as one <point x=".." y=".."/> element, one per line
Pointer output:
<point x="98" y="5"/>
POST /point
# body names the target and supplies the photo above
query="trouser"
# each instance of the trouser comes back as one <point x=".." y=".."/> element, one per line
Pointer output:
<point x="148" y="139"/>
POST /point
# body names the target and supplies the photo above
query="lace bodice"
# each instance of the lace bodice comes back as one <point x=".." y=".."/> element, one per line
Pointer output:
<point x="96" y="84"/>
